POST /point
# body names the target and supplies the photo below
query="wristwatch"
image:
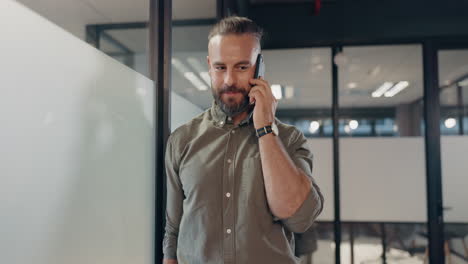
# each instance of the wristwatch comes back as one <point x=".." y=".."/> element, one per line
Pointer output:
<point x="267" y="130"/>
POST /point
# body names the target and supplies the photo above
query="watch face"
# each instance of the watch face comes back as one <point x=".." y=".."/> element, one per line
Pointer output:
<point x="275" y="129"/>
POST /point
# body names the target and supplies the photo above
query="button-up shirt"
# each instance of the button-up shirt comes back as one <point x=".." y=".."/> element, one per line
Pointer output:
<point x="217" y="210"/>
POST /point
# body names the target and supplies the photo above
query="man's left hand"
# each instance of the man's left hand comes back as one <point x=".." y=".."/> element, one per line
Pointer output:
<point x="265" y="103"/>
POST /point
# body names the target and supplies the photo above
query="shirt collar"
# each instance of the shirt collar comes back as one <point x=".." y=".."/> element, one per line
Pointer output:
<point x="221" y="118"/>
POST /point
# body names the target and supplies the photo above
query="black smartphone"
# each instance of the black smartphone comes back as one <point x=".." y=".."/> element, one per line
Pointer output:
<point x="260" y="67"/>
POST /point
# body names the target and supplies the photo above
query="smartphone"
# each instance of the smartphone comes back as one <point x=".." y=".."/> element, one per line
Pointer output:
<point x="259" y="69"/>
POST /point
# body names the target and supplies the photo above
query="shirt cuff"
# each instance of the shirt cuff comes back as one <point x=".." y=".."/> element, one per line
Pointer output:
<point x="304" y="217"/>
<point x="170" y="247"/>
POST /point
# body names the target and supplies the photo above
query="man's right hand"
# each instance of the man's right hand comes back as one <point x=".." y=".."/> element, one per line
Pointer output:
<point x="169" y="261"/>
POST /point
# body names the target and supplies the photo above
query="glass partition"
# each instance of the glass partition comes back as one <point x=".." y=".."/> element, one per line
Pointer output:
<point x="77" y="149"/>
<point x="382" y="167"/>
<point x="453" y="77"/>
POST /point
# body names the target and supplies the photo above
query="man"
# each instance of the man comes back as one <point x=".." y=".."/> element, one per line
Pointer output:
<point x="234" y="194"/>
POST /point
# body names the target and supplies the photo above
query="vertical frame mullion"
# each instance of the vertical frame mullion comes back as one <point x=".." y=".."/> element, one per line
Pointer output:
<point x="336" y="156"/>
<point x="433" y="159"/>
<point x="160" y="34"/>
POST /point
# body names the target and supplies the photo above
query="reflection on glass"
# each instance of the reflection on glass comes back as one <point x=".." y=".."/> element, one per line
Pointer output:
<point x="324" y="245"/>
<point x="365" y="243"/>
<point x="380" y="95"/>
<point x="381" y="88"/>
<point x="127" y="46"/>
<point x="453" y="72"/>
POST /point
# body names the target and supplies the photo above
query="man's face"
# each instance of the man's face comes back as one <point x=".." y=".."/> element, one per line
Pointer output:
<point x="231" y="60"/>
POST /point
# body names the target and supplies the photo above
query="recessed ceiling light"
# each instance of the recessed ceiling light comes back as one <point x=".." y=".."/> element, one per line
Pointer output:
<point x="450" y="122"/>
<point x="206" y="77"/>
<point x="396" y="89"/>
<point x="352" y="85"/>
<point x="382" y="89"/>
<point x="189" y="75"/>
<point x="195" y="81"/>
<point x="340" y="59"/>
<point x="289" y="91"/>
<point x="276" y="89"/>
<point x="353" y="124"/>
<point x="463" y="83"/>
<point x="195" y="63"/>
<point x="314" y="126"/>
<point x="347" y="129"/>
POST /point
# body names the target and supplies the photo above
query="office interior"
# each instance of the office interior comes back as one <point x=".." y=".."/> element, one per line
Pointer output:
<point x="379" y="88"/>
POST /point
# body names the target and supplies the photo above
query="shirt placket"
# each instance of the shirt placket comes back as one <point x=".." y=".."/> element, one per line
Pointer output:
<point x="228" y="199"/>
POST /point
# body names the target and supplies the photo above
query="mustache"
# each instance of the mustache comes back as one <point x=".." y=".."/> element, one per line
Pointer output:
<point x="232" y="89"/>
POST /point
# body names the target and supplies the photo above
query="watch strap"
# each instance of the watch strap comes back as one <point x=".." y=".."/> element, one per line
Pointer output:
<point x="264" y="131"/>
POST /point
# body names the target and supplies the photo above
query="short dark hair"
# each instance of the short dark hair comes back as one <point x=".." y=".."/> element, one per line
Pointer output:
<point x="238" y="26"/>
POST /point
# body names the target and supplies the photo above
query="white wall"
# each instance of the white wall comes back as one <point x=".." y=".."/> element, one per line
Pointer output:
<point x="76" y="149"/>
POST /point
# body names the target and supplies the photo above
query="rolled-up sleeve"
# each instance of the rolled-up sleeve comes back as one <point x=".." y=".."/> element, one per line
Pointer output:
<point x="312" y="206"/>
<point x="175" y="199"/>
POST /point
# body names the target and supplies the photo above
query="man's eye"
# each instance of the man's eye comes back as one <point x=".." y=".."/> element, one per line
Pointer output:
<point x="220" y="68"/>
<point x="243" y="68"/>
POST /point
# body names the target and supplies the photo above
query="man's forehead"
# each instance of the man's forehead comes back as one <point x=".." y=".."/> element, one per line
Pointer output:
<point x="233" y="47"/>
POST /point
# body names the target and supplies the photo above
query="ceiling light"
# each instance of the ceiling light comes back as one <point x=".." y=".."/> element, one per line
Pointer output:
<point x="450" y="122"/>
<point x="340" y="59"/>
<point x="289" y="91"/>
<point x="382" y="89"/>
<point x="189" y="75"/>
<point x="353" y="124"/>
<point x="206" y="77"/>
<point x="180" y="67"/>
<point x="314" y="126"/>
<point x="276" y="88"/>
<point x="347" y="129"/>
<point x="463" y="82"/>
<point x="396" y="89"/>
<point x="196" y="81"/>
<point x="195" y="64"/>
<point x="352" y="85"/>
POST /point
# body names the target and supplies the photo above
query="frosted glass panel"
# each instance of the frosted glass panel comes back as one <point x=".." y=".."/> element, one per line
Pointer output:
<point x="76" y="149"/>
<point x="322" y="148"/>
<point x="383" y="180"/>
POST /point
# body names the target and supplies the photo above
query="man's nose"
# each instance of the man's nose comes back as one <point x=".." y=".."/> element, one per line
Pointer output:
<point x="229" y="78"/>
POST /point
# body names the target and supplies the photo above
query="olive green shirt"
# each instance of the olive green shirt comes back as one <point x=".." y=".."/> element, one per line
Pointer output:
<point x="217" y="210"/>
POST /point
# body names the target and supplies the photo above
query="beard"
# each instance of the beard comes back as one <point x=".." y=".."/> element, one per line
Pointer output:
<point x="231" y="108"/>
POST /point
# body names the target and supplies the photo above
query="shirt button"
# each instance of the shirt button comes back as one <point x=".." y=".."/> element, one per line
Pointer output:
<point x="233" y="131"/>
<point x="228" y="231"/>
<point x="229" y="161"/>
<point x="229" y="118"/>
<point x="221" y="123"/>
<point x="228" y="195"/>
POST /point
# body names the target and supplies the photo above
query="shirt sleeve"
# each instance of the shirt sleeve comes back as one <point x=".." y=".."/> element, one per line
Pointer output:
<point x="312" y="206"/>
<point x="175" y="197"/>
